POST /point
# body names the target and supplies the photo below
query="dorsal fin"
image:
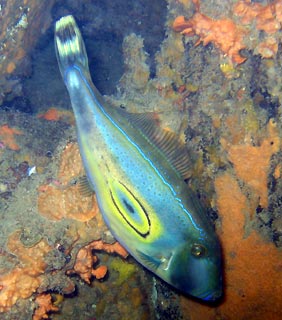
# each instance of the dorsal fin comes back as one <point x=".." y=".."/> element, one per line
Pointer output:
<point x="166" y="141"/>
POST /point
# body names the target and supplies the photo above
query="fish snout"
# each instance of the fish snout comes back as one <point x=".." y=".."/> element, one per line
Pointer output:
<point x="200" y="277"/>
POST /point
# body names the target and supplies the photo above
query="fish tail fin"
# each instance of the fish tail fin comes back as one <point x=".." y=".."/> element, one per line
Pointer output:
<point x="70" y="48"/>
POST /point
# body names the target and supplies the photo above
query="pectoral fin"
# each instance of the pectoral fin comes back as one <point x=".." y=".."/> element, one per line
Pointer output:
<point x="153" y="262"/>
<point x="149" y="261"/>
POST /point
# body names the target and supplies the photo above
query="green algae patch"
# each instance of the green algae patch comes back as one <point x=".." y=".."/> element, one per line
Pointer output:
<point x="124" y="269"/>
<point x="250" y="121"/>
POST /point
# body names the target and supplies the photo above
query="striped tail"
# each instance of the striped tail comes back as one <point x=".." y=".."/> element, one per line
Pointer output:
<point x="70" y="48"/>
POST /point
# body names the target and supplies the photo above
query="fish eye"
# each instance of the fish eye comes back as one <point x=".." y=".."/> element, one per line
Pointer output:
<point x="198" y="250"/>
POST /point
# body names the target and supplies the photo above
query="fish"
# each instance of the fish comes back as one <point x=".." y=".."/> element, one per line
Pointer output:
<point x="138" y="171"/>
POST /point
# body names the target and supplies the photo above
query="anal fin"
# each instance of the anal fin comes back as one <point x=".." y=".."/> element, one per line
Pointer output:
<point x="84" y="187"/>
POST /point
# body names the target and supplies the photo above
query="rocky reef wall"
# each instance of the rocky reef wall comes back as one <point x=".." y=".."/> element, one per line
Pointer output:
<point x="212" y="74"/>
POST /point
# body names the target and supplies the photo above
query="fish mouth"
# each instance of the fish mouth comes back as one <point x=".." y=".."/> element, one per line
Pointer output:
<point x="212" y="296"/>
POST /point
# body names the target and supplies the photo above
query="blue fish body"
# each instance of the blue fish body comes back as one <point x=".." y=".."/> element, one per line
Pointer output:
<point x="140" y="192"/>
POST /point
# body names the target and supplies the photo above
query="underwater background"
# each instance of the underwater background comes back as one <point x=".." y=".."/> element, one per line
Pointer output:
<point x="212" y="71"/>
